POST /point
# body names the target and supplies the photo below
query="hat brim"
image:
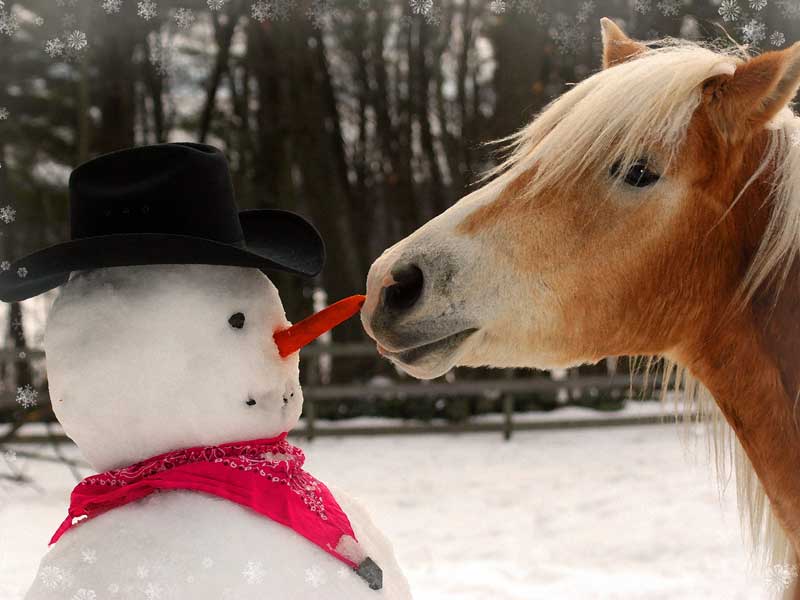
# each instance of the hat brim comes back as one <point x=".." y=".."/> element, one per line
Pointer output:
<point x="275" y="240"/>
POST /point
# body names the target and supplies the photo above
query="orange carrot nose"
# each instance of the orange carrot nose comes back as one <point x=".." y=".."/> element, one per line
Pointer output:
<point x="290" y="340"/>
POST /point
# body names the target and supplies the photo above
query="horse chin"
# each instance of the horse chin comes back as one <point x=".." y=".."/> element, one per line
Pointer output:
<point x="432" y="359"/>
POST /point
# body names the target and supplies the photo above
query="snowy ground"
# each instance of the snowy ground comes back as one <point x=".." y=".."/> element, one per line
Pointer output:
<point x="621" y="512"/>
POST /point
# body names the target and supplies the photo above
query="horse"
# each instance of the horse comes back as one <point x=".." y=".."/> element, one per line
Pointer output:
<point x="651" y="210"/>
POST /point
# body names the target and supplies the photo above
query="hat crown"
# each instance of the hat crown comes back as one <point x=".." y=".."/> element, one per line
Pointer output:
<point x="177" y="188"/>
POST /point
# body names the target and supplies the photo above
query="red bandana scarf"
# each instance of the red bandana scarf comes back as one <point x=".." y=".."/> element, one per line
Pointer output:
<point x="264" y="475"/>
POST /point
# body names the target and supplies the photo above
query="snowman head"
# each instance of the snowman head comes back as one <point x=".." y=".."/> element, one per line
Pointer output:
<point x="147" y="359"/>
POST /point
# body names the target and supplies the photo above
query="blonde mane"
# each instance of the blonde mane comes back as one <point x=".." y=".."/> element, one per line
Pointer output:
<point x="618" y="116"/>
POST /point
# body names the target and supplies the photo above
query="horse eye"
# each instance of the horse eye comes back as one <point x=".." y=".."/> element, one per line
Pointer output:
<point x="236" y="320"/>
<point x="638" y="174"/>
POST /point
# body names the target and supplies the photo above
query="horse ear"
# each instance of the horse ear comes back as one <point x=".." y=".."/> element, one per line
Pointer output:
<point x="617" y="47"/>
<point x="743" y="98"/>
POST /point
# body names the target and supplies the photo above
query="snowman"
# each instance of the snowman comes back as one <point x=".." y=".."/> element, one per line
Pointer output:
<point x="173" y="368"/>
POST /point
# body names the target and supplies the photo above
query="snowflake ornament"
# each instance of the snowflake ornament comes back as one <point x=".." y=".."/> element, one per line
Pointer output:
<point x="89" y="556"/>
<point x="729" y="10"/>
<point x="76" y="41"/>
<point x="421" y="7"/>
<point x="214" y="5"/>
<point x="69" y="21"/>
<point x="147" y="9"/>
<point x="498" y="7"/>
<point x="38" y="21"/>
<point x="8" y="214"/>
<point x="585" y="11"/>
<point x="53" y="48"/>
<point x="55" y="578"/>
<point x="758" y="4"/>
<point x="780" y="577"/>
<point x="27" y="397"/>
<point x="754" y="31"/>
<point x="5" y="265"/>
<point x="3" y="113"/>
<point x="22" y="272"/>
<point x="184" y="18"/>
<point x="777" y="39"/>
<point x="112" y="6"/>
<point x="670" y="8"/>
<point x="315" y="576"/>
<point x="9" y="25"/>
<point x="254" y="572"/>
<point x="260" y="11"/>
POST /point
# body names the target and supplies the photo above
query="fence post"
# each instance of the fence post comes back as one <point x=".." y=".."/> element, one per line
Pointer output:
<point x="508" y="416"/>
<point x="311" y="414"/>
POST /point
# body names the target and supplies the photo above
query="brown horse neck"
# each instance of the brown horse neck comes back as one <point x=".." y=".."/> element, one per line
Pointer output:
<point x="749" y="363"/>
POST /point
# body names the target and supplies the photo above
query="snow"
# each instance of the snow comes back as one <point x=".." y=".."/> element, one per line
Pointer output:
<point x="606" y="513"/>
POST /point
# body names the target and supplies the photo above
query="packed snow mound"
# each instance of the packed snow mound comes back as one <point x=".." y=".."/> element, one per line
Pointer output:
<point x="143" y="360"/>
<point x="182" y="545"/>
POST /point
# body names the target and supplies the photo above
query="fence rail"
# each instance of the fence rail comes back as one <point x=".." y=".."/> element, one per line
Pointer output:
<point x="500" y="389"/>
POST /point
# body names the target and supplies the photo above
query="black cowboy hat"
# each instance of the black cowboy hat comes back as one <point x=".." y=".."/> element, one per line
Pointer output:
<point x="164" y="204"/>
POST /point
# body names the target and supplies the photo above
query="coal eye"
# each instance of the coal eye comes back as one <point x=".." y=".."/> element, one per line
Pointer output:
<point x="236" y="320"/>
<point x="638" y="174"/>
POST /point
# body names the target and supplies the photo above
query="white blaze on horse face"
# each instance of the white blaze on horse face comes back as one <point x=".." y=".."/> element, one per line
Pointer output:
<point x="545" y="268"/>
<point x="142" y="360"/>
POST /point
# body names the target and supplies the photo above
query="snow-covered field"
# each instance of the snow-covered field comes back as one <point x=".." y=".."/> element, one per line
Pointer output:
<point x="621" y="512"/>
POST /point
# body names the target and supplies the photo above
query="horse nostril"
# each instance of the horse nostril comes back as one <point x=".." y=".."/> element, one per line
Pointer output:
<point x="404" y="293"/>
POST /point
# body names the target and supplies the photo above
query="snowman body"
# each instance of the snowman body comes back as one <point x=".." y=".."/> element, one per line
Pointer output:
<point x="145" y="360"/>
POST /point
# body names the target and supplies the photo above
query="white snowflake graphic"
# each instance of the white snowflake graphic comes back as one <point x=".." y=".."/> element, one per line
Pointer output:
<point x="55" y="578"/>
<point x="254" y="572"/>
<point x="3" y="113"/>
<point x="315" y="576"/>
<point x="76" y="41"/>
<point x="146" y="9"/>
<point x="69" y="21"/>
<point x="8" y="214"/>
<point x="643" y="6"/>
<point x="729" y="10"/>
<point x="777" y="39"/>
<point x="184" y="18"/>
<point x="54" y="47"/>
<point x="758" y="4"/>
<point x="421" y="7"/>
<point x="5" y="265"/>
<point x="112" y="6"/>
<point x="670" y="8"/>
<point x="754" y="31"/>
<point x="84" y="594"/>
<point x="780" y="576"/>
<point x="9" y="25"/>
<point x="215" y="4"/>
<point x="260" y="11"/>
<point x="89" y="556"/>
<point x="498" y="7"/>
<point x="153" y="591"/>
<point x="585" y="11"/>
<point x="22" y="272"/>
<point x="27" y="397"/>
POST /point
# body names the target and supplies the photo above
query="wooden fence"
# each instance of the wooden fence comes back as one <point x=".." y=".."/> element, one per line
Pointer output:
<point x="502" y="388"/>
